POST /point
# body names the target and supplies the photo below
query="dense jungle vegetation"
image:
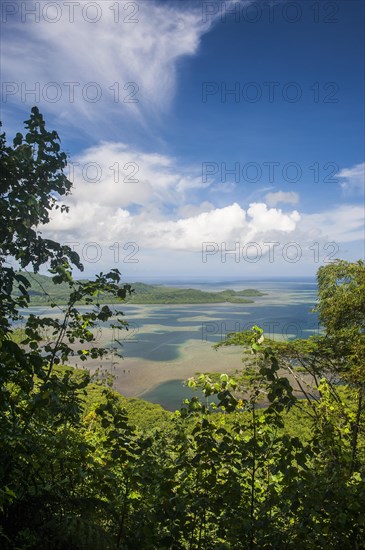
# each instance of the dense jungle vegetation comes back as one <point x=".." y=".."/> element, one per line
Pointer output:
<point x="82" y="467"/>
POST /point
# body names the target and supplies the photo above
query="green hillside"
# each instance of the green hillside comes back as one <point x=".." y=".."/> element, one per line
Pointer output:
<point x="43" y="291"/>
<point x="156" y="294"/>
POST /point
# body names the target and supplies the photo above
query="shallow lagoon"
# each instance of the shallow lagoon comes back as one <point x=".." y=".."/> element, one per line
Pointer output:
<point x="166" y="344"/>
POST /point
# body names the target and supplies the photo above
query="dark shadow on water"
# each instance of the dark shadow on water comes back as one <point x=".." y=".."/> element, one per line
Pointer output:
<point x="171" y="394"/>
<point x="166" y="345"/>
<point x="156" y="346"/>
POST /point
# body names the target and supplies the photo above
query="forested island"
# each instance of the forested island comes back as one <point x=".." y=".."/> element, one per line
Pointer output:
<point x="43" y="291"/>
<point x="81" y="467"/>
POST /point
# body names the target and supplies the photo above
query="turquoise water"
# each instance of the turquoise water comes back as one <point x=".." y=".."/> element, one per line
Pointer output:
<point x="284" y="313"/>
<point x="165" y="337"/>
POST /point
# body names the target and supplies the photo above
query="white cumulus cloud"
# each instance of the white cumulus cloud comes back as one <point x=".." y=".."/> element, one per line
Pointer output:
<point x="122" y="194"/>
<point x="146" y="199"/>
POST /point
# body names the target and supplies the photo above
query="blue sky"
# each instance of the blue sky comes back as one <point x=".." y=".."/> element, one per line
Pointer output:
<point x="198" y="128"/>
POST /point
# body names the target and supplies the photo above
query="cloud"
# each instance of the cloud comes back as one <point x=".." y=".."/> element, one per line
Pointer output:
<point x="289" y="197"/>
<point x="342" y="224"/>
<point x="353" y="179"/>
<point x="123" y="194"/>
<point x="107" y="224"/>
<point x="264" y="218"/>
<point x="115" y="174"/>
<point x="100" y="63"/>
<point x="190" y="210"/>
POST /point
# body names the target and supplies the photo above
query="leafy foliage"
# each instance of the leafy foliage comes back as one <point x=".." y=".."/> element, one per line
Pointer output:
<point x="82" y="467"/>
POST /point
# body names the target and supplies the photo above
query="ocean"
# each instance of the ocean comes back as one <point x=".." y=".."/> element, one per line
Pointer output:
<point x="166" y="344"/>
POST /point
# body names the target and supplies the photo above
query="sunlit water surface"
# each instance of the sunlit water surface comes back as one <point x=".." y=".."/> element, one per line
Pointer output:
<point x="166" y="344"/>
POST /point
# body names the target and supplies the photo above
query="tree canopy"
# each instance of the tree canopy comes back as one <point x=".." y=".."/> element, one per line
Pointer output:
<point x="266" y="465"/>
